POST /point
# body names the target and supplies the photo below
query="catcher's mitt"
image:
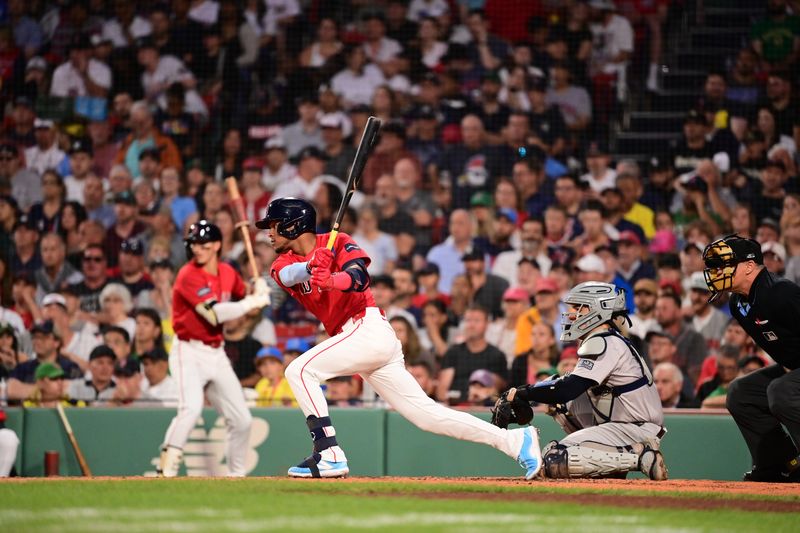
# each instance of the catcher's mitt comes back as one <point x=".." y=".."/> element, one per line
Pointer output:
<point x="514" y="410"/>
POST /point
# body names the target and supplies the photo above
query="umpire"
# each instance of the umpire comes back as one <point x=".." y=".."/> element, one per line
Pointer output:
<point x="765" y="404"/>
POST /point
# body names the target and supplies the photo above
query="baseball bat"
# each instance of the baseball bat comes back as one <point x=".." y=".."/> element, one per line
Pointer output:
<point x="77" y="449"/>
<point x="238" y="206"/>
<point x="368" y="140"/>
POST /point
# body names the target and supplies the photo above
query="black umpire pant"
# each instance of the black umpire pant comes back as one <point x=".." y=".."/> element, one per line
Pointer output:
<point x="762" y="404"/>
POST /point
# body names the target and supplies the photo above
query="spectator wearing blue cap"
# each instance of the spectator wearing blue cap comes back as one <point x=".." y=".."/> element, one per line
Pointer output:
<point x="295" y="347"/>
<point x="273" y="389"/>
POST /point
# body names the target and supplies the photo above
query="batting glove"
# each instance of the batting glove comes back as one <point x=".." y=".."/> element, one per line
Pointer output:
<point x="321" y="258"/>
<point x="260" y="286"/>
<point x="326" y="281"/>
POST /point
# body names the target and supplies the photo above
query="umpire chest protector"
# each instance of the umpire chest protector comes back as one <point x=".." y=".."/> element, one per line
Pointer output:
<point x="603" y="396"/>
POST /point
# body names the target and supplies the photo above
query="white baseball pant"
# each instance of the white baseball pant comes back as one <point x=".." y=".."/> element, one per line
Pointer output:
<point x="195" y="365"/>
<point x="369" y="347"/>
<point x="9" y="442"/>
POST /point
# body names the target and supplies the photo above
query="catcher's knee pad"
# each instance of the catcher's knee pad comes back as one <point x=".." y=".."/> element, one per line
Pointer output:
<point x="556" y="461"/>
<point x="593" y="459"/>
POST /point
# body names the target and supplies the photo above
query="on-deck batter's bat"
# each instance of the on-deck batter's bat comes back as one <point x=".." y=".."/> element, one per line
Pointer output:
<point x="77" y="449"/>
<point x="368" y="140"/>
<point x="238" y="206"/>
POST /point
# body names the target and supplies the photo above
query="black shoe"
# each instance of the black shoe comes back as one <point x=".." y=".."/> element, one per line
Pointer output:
<point x="771" y="475"/>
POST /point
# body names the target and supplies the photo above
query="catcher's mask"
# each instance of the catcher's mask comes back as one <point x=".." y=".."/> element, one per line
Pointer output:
<point x="721" y="258"/>
<point x="595" y="303"/>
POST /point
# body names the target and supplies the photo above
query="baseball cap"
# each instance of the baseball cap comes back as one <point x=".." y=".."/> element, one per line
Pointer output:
<point x="428" y="269"/>
<point x="307" y="98"/>
<point x="156" y="354"/>
<point x="658" y="333"/>
<point x="697" y="282"/>
<point x="537" y="83"/>
<point x="775" y="163"/>
<point x="43" y="123"/>
<point x="545" y="284"/>
<point x="54" y="299"/>
<point x="252" y="163"/>
<point x="23" y="101"/>
<point x="311" y="151"/>
<point x="516" y="294"/>
<point x="425" y="112"/>
<point x="26" y="221"/>
<point x="591" y="263"/>
<point x="772" y="247"/>
<point x="125" y="197"/>
<point x="132" y="246"/>
<point x="473" y="255"/>
<point x="596" y="149"/>
<point x="36" y="63"/>
<point x="9" y="149"/>
<point x="746" y="250"/>
<point x="394" y="127"/>
<point x="297" y="344"/>
<point x="646" y="285"/>
<point x="45" y="327"/>
<point x="569" y="352"/>
<point x="480" y="199"/>
<point x="482" y="377"/>
<point x="695" y="116"/>
<point x="275" y="143"/>
<point x="102" y="351"/>
<point x="48" y="370"/>
<point x="81" y="145"/>
<point x="269" y="351"/>
<point x="491" y="75"/>
<point x="152" y="152"/>
<point x="331" y="120"/>
<point x="161" y="263"/>
<point x="508" y="213"/>
<point x="629" y="237"/>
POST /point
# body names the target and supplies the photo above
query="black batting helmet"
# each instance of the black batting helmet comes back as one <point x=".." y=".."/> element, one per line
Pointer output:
<point x="201" y="232"/>
<point x="294" y="216"/>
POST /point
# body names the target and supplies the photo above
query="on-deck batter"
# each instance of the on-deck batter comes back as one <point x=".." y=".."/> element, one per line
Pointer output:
<point x="334" y="286"/>
<point x="202" y="299"/>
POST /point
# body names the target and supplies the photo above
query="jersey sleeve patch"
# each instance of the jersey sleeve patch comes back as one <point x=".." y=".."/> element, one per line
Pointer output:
<point x="351" y="246"/>
<point x="203" y="291"/>
<point x="586" y="363"/>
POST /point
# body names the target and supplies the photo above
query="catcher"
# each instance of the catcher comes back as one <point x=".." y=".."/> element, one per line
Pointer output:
<point x="608" y="405"/>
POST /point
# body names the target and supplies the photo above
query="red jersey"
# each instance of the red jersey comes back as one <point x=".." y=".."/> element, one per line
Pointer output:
<point x="332" y="308"/>
<point x="194" y="285"/>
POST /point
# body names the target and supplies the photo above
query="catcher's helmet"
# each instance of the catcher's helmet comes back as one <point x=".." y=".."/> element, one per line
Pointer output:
<point x="603" y="302"/>
<point x="295" y="216"/>
<point x="201" y="232"/>
<point x="721" y="258"/>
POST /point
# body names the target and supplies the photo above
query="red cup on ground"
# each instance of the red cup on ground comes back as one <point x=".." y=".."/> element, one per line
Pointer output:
<point x="50" y="463"/>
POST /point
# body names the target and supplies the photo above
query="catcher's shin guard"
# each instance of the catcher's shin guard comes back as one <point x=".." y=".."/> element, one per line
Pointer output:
<point x="170" y="461"/>
<point x="589" y="460"/>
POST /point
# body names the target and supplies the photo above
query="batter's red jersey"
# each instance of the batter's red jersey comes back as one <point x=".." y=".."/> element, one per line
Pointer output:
<point x="193" y="286"/>
<point x="333" y="308"/>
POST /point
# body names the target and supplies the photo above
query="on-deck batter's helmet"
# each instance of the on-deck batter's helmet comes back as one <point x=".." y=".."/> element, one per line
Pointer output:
<point x="294" y="216"/>
<point x="201" y="232"/>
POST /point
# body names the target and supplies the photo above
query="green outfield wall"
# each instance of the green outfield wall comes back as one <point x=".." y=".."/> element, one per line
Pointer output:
<point x="125" y="442"/>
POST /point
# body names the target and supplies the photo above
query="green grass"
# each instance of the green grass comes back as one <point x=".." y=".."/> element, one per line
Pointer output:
<point x="187" y="505"/>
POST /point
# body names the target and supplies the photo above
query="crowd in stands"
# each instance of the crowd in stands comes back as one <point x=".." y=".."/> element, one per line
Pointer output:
<point x="492" y="191"/>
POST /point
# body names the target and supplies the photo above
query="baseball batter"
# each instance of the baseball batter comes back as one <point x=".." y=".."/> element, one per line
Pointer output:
<point x="334" y="286"/>
<point x="207" y="292"/>
<point x="607" y="405"/>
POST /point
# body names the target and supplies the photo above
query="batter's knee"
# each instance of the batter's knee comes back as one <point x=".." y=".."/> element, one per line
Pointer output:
<point x="8" y="441"/>
<point x="240" y="422"/>
<point x="293" y="373"/>
<point x="191" y="410"/>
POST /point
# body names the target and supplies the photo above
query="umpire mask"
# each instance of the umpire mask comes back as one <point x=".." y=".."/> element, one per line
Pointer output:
<point x="721" y="258"/>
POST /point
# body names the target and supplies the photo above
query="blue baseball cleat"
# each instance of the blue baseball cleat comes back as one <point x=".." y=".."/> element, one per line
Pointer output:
<point x="530" y="455"/>
<point x="316" y="466"/>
